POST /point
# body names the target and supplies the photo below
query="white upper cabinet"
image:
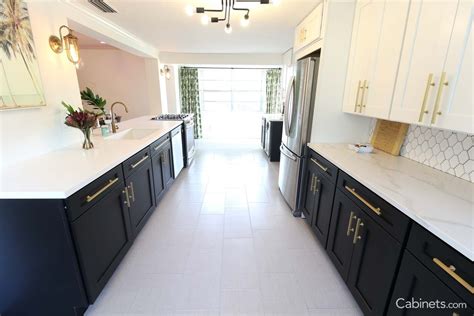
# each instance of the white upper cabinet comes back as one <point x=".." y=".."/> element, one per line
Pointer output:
<point x="309" y="30"/>
<point x="377" y="38"/>
<point x="454" y="107"/>
<point x="426" y="43"/>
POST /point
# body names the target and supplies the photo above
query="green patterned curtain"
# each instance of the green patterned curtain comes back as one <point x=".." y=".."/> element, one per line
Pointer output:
<point x="189" y="95"/>
<point x="273" y="83"/>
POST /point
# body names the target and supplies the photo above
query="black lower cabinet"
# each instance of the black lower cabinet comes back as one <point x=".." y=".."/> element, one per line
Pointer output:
<point x="340" y="241"/>
<point x="374" y="263"/>
<point x="167" y="165"/>
<point x="102" y="236"/>
<point x="158" y="176"/>
<point x="141" y="195"/>
<point x="419" y="292"/>
<point x="309" y="193"/>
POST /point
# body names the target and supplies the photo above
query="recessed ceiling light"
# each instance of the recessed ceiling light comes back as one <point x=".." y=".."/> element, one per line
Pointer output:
<point x="205" y="19"/>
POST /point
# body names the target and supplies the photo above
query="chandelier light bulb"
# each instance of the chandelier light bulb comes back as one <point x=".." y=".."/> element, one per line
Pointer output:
<point x="205" y="19"/>
<point x="228" y="28"/>
<point x="189" y="10"/>
<point x="245" y="21"/>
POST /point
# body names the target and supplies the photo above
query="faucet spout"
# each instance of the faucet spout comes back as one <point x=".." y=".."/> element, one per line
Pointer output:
<point x="114" y="126"/>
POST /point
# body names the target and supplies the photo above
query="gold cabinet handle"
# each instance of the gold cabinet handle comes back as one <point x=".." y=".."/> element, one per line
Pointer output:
<point x="357" y="96"/>
<point x="139" y="162"/>
<point x="356" y="234"/>
<point x="376" y="210"/>
<point x="319" y="165"/>
<point x="127" y="197"/>
<point x="365" y="86"/>
<point x="429" y="83"/>
<point x="312" y="182"/>
<point x="132" y="190"/>
<point x="316" y="185"/>
<point x="90" y="198"/>
<point x="442" y="84"/>
<point x="349" y="226"/>
<point x="156" y="148"/>
<point x="451" y="271"/>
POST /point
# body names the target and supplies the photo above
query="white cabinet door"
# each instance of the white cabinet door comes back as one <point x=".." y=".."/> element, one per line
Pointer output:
<point x="367" y="21"/>
<point x="427" y="35"/>
<point x="309" y="30"/>
<point x="455" y="105"/>
<point x="383" y="68"/>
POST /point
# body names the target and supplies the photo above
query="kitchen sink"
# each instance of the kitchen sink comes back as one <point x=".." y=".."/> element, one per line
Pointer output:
<point x="131" y="134"/>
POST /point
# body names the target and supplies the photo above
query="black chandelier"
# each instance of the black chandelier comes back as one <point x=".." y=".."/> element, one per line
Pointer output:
<point x="227" y="6"/>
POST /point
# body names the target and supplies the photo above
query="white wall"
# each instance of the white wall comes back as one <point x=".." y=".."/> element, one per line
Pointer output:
<point x="221" y="59"/>
<point x="27" y="133"/>
<point x="119" y="76"/>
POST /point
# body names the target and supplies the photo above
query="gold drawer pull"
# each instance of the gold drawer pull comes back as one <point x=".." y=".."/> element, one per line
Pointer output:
<point x="349" y="226"/>
<point x="357" y="96"/>
<point x="376" y="210"/>
<point x="356" y="233"/>
<point x="132" y="190"/>
<point x="451" y="271"/>
<point x="160" y="146"/>
<point x="429" y="84"/>
<point x="442" y="84"/>
<point x="312" y="183"/>
<point x="364" y="87"/>
<point x="127" y="197"/>
<point x="139" y="162"/>
<point x="90" y="198"/>
<point x="319" y="165"/>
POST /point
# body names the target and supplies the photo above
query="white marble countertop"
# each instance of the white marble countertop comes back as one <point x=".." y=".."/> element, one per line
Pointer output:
<point x="60" y="173"/>
<point x="441" y="203"/>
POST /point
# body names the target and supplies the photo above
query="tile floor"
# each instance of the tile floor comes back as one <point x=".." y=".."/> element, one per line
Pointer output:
<point x="223" y="242"/>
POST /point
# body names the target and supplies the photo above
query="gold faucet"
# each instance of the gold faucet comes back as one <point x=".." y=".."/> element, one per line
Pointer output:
<point x="114" y="126"/>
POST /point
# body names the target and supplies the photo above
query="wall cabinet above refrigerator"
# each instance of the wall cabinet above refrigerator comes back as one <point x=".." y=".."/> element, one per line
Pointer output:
<point x="310" y="30"/>
<point x="411" y="61"/>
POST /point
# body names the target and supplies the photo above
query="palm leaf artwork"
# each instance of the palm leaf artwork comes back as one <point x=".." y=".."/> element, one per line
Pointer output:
<point x="16" y="37"/>
<point x="94" y="100"/>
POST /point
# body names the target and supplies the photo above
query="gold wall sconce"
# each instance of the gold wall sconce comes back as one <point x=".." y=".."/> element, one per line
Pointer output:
<point x="68" y="43"/>
<point x="166" y="71"/>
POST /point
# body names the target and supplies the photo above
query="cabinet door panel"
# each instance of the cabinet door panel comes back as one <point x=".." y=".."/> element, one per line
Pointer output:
<point x="374" y="262"/>
<point x="425" y="46"/>
<point x="157" y="176"/>
<point x="383" y="68"/>
<point x="167" y="166"/>
<point x="368" y="18"/>
<point x="142" y="196"/>
<point x="102" y="236"/>
<point x="309" y="198"/>
<point x="414" y="281"/>
<point x="456" y="104"/>
<point x="322" y="206"/>
<point x="340" y="236"/>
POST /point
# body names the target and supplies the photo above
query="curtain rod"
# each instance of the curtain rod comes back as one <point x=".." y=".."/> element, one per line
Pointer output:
<point x="230" y="67"/>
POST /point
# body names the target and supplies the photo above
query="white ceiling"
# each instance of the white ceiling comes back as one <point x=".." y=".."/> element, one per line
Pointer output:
<point x="88" y="42"/>
<point x="165" y="25"/>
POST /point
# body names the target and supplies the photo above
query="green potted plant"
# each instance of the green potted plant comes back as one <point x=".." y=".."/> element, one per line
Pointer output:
<point x="94" y="100"/>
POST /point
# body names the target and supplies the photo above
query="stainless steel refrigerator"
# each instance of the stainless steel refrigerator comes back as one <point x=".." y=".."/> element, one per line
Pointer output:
<point x="297" y="119"/>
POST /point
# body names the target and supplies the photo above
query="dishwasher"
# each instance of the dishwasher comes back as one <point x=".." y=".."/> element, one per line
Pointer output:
<point x="177" y="148"/>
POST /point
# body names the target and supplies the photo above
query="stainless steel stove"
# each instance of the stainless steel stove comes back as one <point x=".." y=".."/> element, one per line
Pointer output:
<point x="188" y="133"/>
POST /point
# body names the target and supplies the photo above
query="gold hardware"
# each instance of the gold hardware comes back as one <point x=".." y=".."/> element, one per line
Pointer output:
<point x="139" y="162"/>
<point x="316" y="189"/>
<point x="451" y="271"/>
<point x="69" y="43"/>
<point x="357" y="96"/>
<point x="429" y="84"/>
<point x="127" y="197"/>
<point x="112" y="113"/>
<point x="90" y="198"/>
<point x="319" y="165"/>
<point x="133" y="191"/>
<point x="376" y="210"/>
<point x="364" y="87"/>
<point x="159" y="146"/>
<point x="442" y="84"/>
<point x="349" y="226"/>
<point x="312" y="182"/>
<point x="356" y="234"/>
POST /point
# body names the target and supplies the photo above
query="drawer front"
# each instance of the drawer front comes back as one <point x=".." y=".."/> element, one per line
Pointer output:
<point x="446" y="263"/>
<point x="415" y="281"/>
<point x="327" y="169"/>
<point x="158" y="145"/>
<point x="391" y="219"/>
<point x="91" y="194"/>
<point x="136" y="161"/>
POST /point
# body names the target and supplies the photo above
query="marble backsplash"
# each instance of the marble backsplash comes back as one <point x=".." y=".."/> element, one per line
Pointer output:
<point x="450" y="152"/>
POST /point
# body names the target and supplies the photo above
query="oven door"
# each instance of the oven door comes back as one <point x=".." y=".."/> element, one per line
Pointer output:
<point x="190" y="146"/>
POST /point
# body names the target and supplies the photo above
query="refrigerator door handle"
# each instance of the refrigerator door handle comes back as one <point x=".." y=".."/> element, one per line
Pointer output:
<point x="289" y="112"/>
<point x="283" y="151"/>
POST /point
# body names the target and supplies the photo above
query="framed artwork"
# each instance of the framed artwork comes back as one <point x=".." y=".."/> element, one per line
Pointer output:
<point x="20" y="81"/>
